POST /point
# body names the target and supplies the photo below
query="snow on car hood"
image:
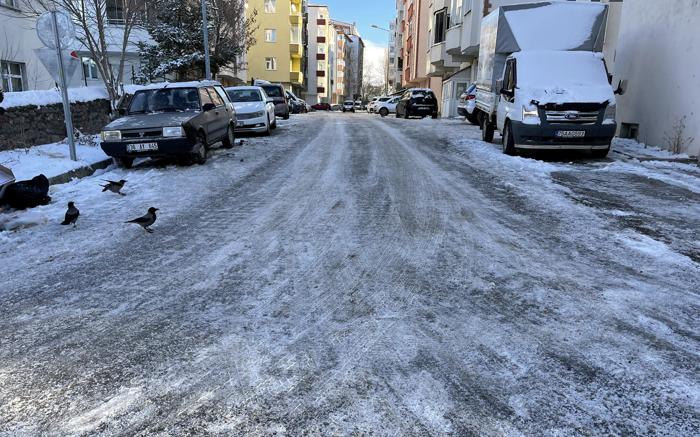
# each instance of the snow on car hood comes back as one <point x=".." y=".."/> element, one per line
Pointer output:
<point x="155" y="120"/>
<point x="246" y="107"/>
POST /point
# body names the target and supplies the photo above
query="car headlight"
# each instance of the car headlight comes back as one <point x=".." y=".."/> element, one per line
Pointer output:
<point x="258" y="114"/>
<point x="111" y="135"/>
<point x="530" y="111"/>
<point x="610" y="112"/>
<point x="173" y="131"/>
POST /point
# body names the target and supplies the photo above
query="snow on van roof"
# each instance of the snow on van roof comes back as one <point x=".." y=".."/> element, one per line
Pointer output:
<point x="559" y="76"/>
<point x="554" y="26"/>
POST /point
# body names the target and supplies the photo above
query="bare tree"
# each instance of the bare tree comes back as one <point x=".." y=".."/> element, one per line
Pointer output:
<point x="99" y="33"/>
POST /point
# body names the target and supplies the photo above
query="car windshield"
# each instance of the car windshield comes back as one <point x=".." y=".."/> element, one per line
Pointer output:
<point x="165" y="100"/>
<point x="384" y="99"/>
<point x="244" y="95"/>
<point x="273" y="90"/>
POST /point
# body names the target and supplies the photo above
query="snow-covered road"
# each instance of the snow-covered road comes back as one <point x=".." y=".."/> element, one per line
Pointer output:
<point x="353" y="274"/>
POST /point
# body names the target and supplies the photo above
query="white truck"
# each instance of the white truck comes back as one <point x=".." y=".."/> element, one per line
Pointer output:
<point x="542" y="81"/>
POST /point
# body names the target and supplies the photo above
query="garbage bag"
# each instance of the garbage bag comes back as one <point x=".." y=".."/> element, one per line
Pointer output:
<point x="27" y="194"/>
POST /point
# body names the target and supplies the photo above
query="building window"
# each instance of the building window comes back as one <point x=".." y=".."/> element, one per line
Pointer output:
<point x="270" y="6"/>
<point x="270" y="35"/>
<point x="295" y="35"/>
<point x="321" y="31"/>
<point x="89" y="69"/>
<point x="271" y="64"/>
<point x="115" y="11"/>
<point x="442" y="22"/>
<point x="13" y="76"/>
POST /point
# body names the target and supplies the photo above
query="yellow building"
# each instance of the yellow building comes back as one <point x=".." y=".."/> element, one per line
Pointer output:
<point x="278" y="50"/>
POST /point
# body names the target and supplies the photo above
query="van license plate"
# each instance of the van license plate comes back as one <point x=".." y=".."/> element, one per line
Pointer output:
<point x="141" y="147"/>
<point x="570" y="133"/>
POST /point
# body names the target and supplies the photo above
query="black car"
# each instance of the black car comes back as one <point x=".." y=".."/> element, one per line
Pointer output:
<point x="417" y="102"/>
<point x="171" y="119"/>
<point x="278" y="95"/>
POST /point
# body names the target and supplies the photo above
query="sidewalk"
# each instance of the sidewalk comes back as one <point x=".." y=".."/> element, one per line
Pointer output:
<point x="641" y="152"/>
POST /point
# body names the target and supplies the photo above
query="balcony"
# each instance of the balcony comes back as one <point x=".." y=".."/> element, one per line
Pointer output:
<point x="295" y="49"/>
<point x="453" y="40"/>
<point x="296" y="77"/>
<point x="295" y="19"/>
<point x="441" y="62"/>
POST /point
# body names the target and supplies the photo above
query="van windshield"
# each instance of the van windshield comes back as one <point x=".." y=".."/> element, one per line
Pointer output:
<point x="165" y="100"/>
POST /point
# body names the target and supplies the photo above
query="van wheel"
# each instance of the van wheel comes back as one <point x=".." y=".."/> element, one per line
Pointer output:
<point x="229" y="139"/>
<point x="487" y="129"/>
<point x="508" y="140"/>
<point x="200" y="150"/>
<point x="383" y="112"/>
<point x="123" y="162"/>
<point x="601" y="153"/>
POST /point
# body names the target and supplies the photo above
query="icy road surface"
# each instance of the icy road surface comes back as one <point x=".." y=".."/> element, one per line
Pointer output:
<point x="358" y="275"/>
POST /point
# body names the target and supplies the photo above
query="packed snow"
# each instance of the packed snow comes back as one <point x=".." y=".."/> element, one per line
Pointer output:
<point x="50" y="159"/>
<point x="50" y="97"/>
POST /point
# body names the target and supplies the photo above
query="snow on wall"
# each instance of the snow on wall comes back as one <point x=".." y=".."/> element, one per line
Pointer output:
<point x="559" y="26"/>
<point x="53" y="96"/>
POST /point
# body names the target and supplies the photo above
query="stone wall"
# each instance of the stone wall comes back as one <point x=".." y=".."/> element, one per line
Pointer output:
<point x="25" y="126"/>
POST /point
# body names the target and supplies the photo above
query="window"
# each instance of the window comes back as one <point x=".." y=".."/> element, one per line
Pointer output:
<point x="13" y="76"/>
<point x="115" y="11"/>
<point x="442" y="22"/>
<point x="215" y="98"/>
<point x="270" y="35"/>
<point x="271" y="64"/>
<point x="89" y="69"/>
<point x="321" y="65"/>
<point x="270" y="6"/>
<point x="204" y="96"/>
<point x="321" y="31"/>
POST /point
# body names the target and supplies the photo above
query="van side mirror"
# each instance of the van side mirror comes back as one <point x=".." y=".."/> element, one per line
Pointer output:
<point x="208" y="107"/>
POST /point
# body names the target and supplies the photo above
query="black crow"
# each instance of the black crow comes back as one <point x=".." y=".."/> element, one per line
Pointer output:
<point x="114" y="186"/>
<point x="146" y="220"/>
<point x="71" y="215"/>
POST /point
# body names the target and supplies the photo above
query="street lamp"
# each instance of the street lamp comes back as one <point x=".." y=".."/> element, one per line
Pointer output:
<point x="205" y="31"/>
<point x="386" y="69"/>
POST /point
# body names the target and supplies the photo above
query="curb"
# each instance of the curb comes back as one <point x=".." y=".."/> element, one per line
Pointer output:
<point x="652" y="158"/>
<point x="80" y="172"/>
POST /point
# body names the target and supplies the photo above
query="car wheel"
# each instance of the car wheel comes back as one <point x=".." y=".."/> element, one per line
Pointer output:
<point x="229" y="139"/>
<point x="487" y="129"/>
<point x="508" y="140"/>
<point x="123" y="162"/>
<point x="267" y="125"/>
<point x="200" y="150"/>
<point x="472" y="118"/>
<point x="274" y="123"/>
<point x="383" y="112"/>
<point x="601" y="153"/>
<point x="286" y="116"/>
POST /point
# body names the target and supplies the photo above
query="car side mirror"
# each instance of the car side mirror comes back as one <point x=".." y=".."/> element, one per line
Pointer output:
<point x="270" y="100"/>
<point x="208" y="107"/>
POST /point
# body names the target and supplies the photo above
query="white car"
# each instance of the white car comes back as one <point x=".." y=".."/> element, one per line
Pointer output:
<point x="372" y="106"/>
<point x="255" y="111"/>
<point x="387" y="107"/>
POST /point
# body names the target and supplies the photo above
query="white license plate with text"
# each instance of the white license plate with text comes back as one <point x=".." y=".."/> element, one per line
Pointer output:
<point x="141" y="147"/>
<point x="570" y="133"/>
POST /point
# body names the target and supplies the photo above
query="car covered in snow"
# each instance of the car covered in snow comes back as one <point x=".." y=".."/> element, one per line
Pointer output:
<point x="255" y="111"/>
<point x="387" y="107"/>
<point x="417" y="102"/>
<point x="171" y="119"/>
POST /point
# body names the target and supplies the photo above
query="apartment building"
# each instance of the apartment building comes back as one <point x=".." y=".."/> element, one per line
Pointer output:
<point x="318" y="89"/>
<point x="21" y="70"/>
<point x="278" y="51"/>
<point x="341" y="52"/>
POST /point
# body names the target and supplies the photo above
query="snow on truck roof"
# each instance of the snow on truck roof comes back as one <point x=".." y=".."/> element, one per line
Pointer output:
<point x="554" y="25"/>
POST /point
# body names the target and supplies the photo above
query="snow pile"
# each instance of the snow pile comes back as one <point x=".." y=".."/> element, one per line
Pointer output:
<point x="557" y="26"/>
<point x="561" y="76"/>
<point x="49" y="159"/>
<point x="53" y="96"/>
<point x="641" y="150"/>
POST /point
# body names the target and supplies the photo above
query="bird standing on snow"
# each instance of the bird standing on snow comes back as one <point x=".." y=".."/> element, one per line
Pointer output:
<point x="146" y="220"/>
<point x="114" y="186"/>
<point x="71" y="215"/>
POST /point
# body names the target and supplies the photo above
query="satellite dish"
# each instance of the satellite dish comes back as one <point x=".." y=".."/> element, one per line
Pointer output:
<point x="66" y="30"/>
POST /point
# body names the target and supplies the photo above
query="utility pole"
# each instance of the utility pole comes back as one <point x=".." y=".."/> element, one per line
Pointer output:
<point x="205" y="31"/>
<point x="64" y="90"/>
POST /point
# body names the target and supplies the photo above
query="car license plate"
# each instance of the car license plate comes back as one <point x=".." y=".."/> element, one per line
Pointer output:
<point x="141" y="147"/>
<point x="570" y="133"/>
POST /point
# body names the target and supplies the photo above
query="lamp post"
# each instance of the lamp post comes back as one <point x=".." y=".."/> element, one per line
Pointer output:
<point x="386" y="69"/>
<point x="205" y="31"/>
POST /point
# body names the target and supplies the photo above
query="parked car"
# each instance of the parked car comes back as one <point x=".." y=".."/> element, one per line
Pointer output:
<point x="171" y="119"/>
<point x="255" y="111"/>
<point x="359" y="106"/>
<point x="321" y="107"/>
<point x="278" y="94"/>
<point x="417" y="102"/>
<point x="348" y="106"/>
<point x="297" y="105"/>
<point x="336" y="107"/>
<point x="467" y="105"/>
<point x="374" y="104"/>
<point x="387" y="107"/>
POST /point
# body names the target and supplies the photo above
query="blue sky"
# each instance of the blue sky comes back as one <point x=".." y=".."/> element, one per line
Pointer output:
<point x="364" y="13"/>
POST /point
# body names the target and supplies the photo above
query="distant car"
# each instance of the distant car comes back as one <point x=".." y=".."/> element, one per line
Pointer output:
<point x="336" y="107"/>
<point x="321" y="107"/>
<point x="348" y="106"/>
<point x="467" y="105"/>
<point x="171" y="119"/>
<point x="359" y="106"/>
<point x="417" y="102"/>
<point x="387" y="107"/>
<point x="255" y="111"/>
<point x="297" y="105"/>
<point x="374" y="104"/>
<point x="278" y="94"/>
